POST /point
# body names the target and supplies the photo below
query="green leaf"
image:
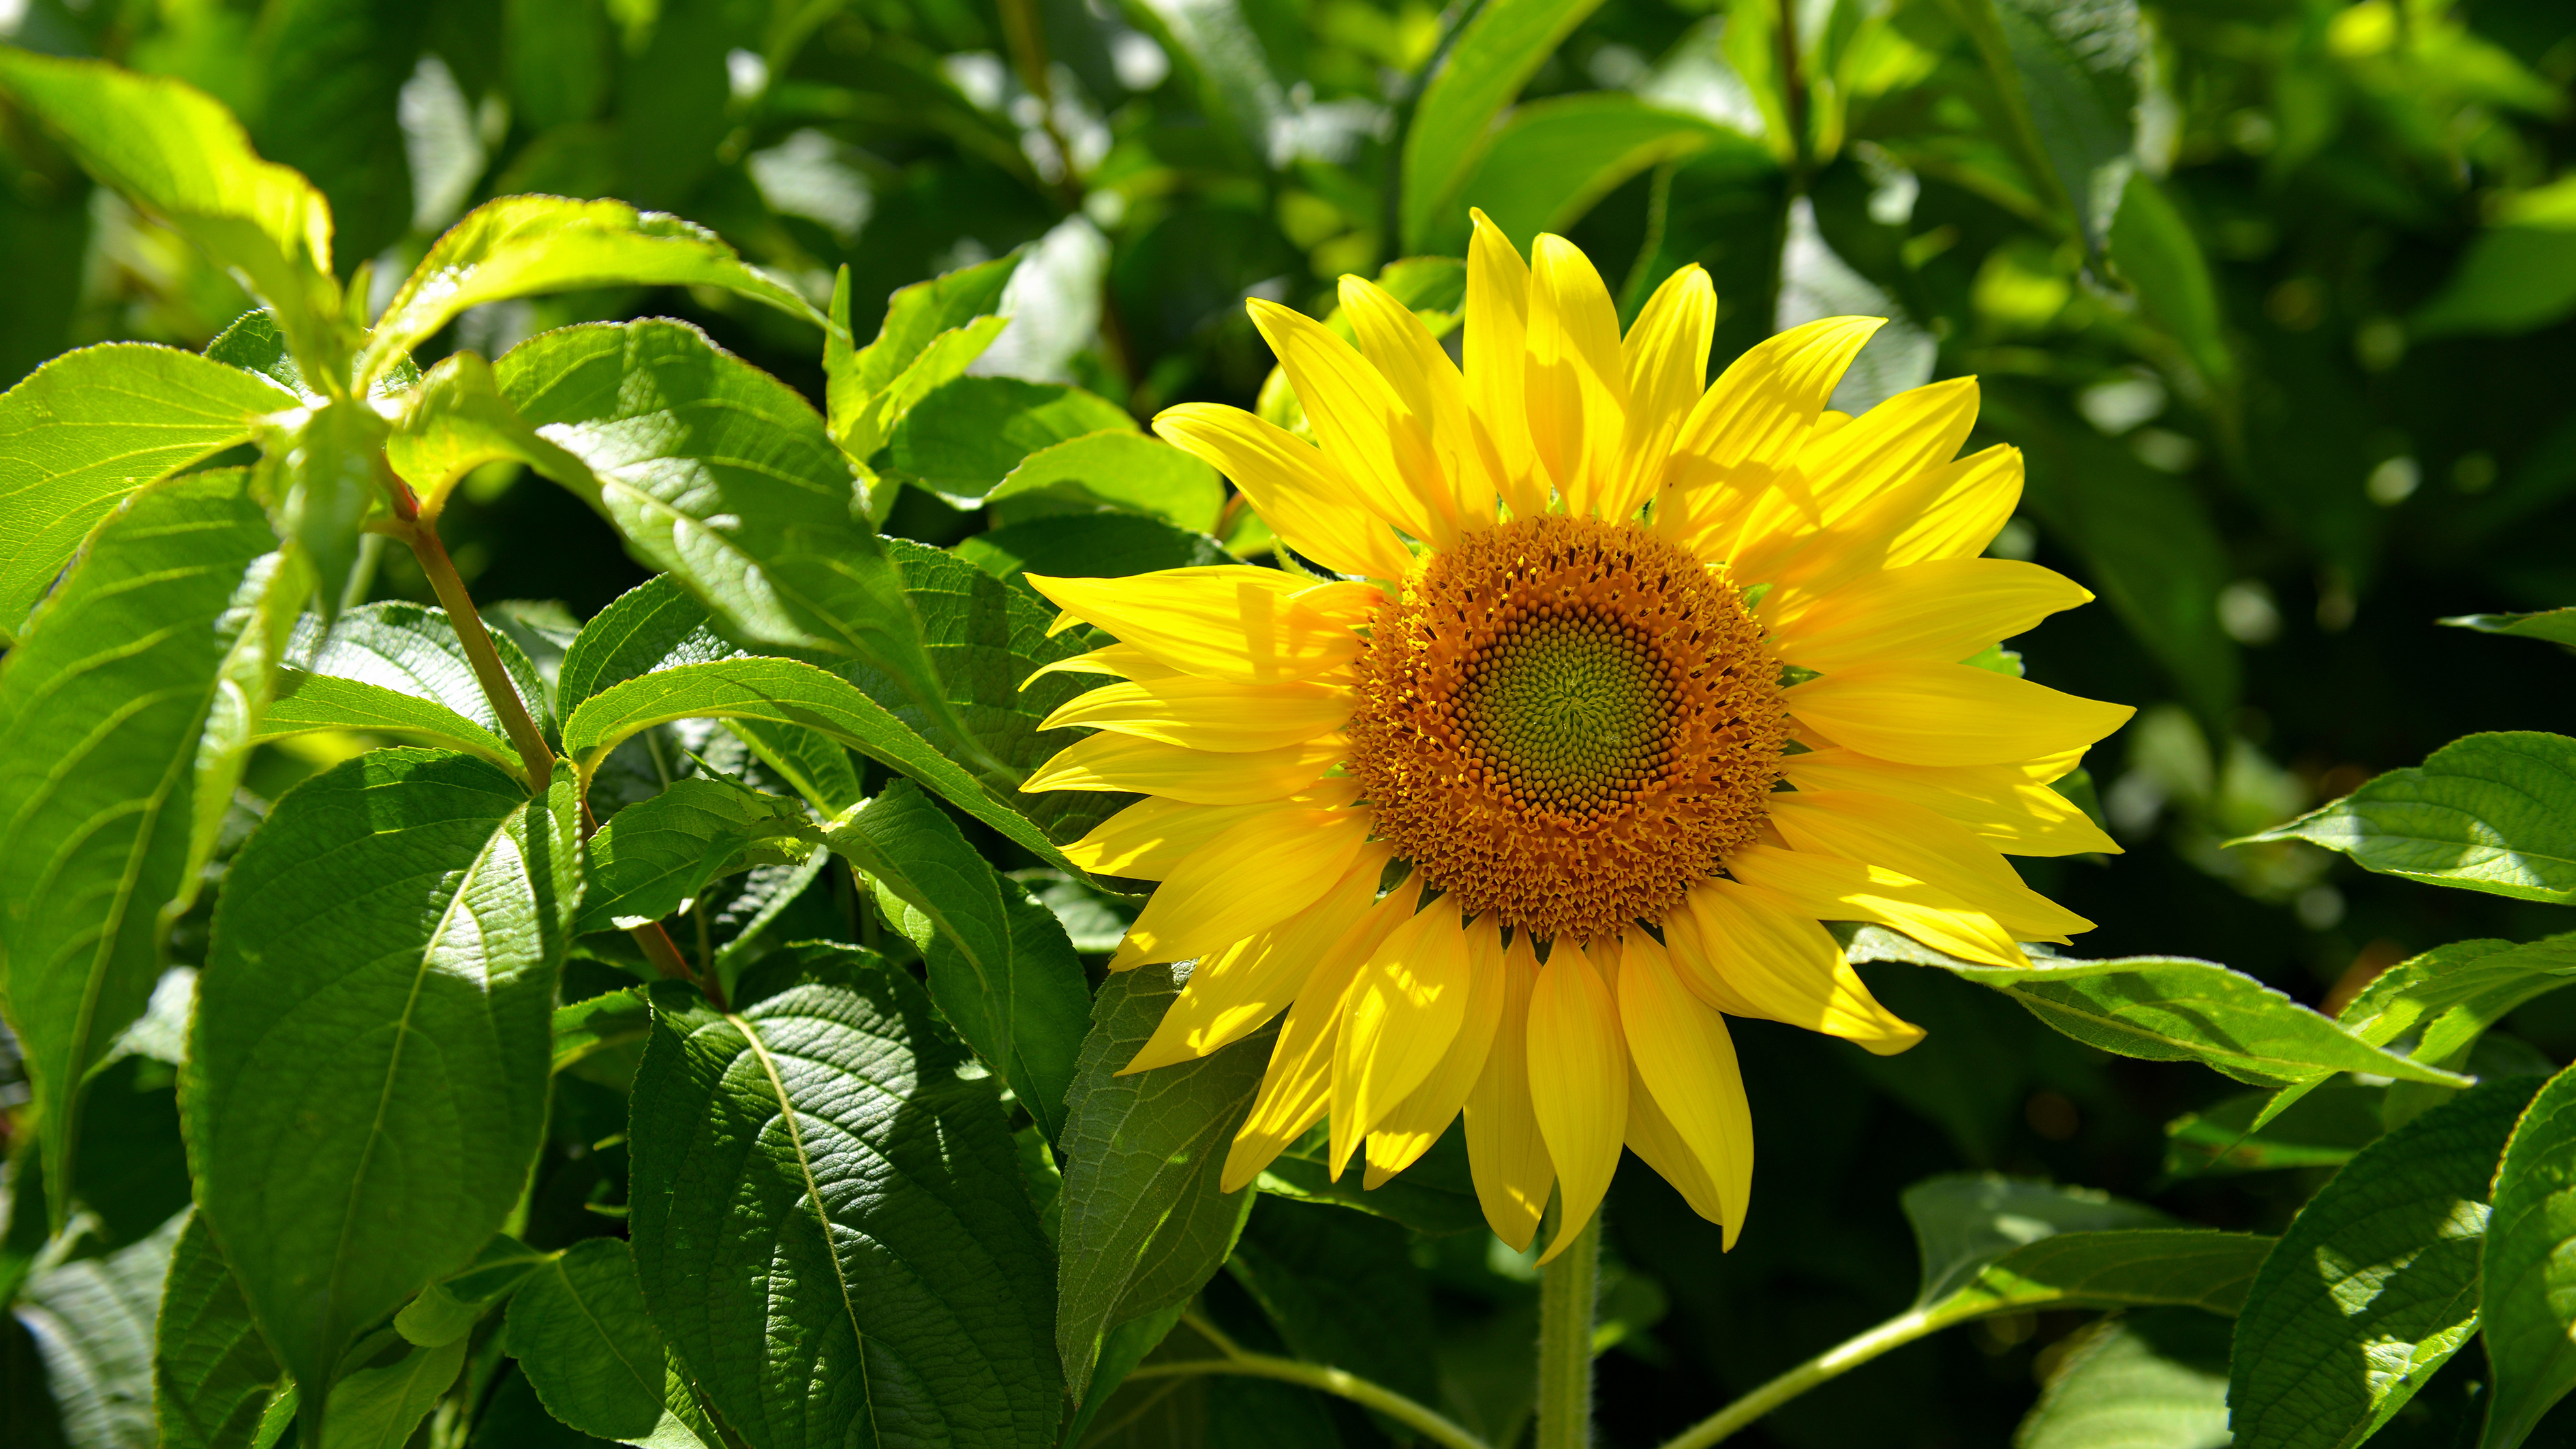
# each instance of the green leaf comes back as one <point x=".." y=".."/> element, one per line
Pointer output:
<point x="519" y="246"/>
<point x="2527" y="1272"/>
<point x="2324" y="1129"/>
<point x="655" y="625"/>
<point x="2492" y="812"/>
<point x="2067" y="79"/>
<point x="124" y="715"/>
<point x="2375" y="1285"/>
<point x="1123" y="470"/>
<point x="999" y="964"/>
<point x="411" y="651"/>
<point x="366" y="1085"/>
<point x="177" y="153"/>
<point x="329" y="76"/>
<point x="253" y="342"/>
<point x="660" y="852"/>
<point x="2173" y="1009"/>
<point x="1222" y="50"/>
<point x="378" y="1406"/>
<point x="309" y="702"/>
<point x="1495" y="54"/>
<point x="320" y="463"/>
<point x="970" y="433"/>
<point x="1145" y="1224"/>
<point x="1342" y="1289"/>
<point x="1965" y="1222"/>
<point x="2154" y="248"/>
<point x="784" y="691"/>
<point x="455" y="421"/>
<point x="1556" y="158"/>
<point x="830" y="1227"/>
<point x="2449" y="996"/>
<point x="448" y="1309"/>
<point x="1435" y="1196"/>
<point x="92" y="1322"/>
<point x="2558" y="626"/>
<point x="580" y="1333"/>
<point x="90" y="427"/>
<point x="599" y="1023"/>
<point x="212" y="1375"/>
<point x="2519" y="273"/>
<point x="931" y="331"/>
<point x="2155" y="1380"/>
<point x="2139" y="1268"/>
<point x="722" y="475"/>
<point x="1088" y="545"/>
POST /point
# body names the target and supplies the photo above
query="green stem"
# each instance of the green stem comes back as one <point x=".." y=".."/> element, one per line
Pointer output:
<point x="1323" y="1379"/>
<point x="1568" y="1294"/>
<point x="534" y="753"/>
<point x="1842" y="1358"/>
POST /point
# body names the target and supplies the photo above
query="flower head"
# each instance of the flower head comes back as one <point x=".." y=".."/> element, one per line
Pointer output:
<point x="1631" y="685"/>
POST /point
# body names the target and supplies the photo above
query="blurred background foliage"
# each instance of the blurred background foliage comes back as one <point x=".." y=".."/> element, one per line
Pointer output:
<point x="2275" y="295"/>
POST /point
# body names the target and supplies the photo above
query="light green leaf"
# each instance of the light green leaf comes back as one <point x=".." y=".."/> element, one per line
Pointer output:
<point x="520" y="246"/>
<point x="2527" y="1272"/>
<point x="784" y="691"/>
<point x="124" y="714"/>
<point x="966" y="436"/>
<point x="92" y="1322"/>
<point x="598" y="1023"/>
<point x="1086" y="546"/>
<point x="309" y="702"/>
<point x="320" y="463"/>
<point x="1120" y="469"/>
<point x="2155" y="1380"/>
<point x="580" y="1333"/>
<point x="2066" y="77"/>
<point x="722" y="475"/>
<point x="657" y="853"/>
<point x="830" y="1227"/>
<point x="1494" y="56"/>
<point x="931" y="331"/>
<point x="2449" y="996"/>
<point x="2492" y="812"/>
<point x="2375" y="1285"/>
<point x="2173" y="1009"/>
<point x="1145" y="1224"/>
<point x="2558" y="626"/>
<point x="655" y="625"/>
<point x="346" y="1168"/>
<point x="378" y="1406"/>
<point x="1555" y="158"/>
<point x="456" y="421"/>
<point x="176" y="152"/>
<point x="1965" y="1222"/>
<point x="998" y="963"/>
<point x="254" y="343"/>
<point x="90" y="427"/>
<point x="412" y="650"/>
<point x="212" y="1375"/>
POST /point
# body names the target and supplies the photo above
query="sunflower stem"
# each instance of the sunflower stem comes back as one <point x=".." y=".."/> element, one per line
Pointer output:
<point x="1568" y="1293"/>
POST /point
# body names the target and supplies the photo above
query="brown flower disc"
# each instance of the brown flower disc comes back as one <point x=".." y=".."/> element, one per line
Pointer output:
<point x="1566" y="723"/>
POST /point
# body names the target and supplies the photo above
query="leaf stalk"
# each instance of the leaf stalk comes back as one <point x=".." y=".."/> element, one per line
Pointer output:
<point x="1242" y="1362"/>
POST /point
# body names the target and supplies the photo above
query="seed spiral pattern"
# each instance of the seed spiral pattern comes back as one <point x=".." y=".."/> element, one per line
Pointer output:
<point x="1567" y="723"/>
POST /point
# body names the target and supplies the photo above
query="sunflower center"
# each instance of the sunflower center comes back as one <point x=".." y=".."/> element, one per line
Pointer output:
<point x="1567" y="723"/>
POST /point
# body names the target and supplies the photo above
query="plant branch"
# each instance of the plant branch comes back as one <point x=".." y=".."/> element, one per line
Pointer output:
<point x="1319" y="1377"/>
<point x="1569" y="1292"/>
<point x="535" y="754"/>
<point x="1842" y="1358"/>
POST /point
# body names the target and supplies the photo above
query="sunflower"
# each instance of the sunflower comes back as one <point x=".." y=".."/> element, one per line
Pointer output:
<point x="1624" y="688"/>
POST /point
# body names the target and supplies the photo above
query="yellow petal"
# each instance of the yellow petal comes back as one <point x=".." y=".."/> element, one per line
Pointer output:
<point x="1830" y="888"/>
<point x="1948" y="714"/>
<point x="1751" y="952"/>
<point x="1752" y="419"/>
<point x="1952" y="511"/>
<point x="1496" y="344"/>
<point x="1433" y="394"/>
<point x="1412" y="1125"/>
<point x="1400" y="1016"/>
<point x="1658" y="1144"/>
<point x="1233" y="991"/>
<point x="1578" y="1077"/>
<point x="1665" y="356"/>
<point x="1912" y="840"/>
<point x="1151" y="838"/>
<point x="1250" y="878"/>
<point x="1932" y="613"/>
<point x="1361" y="422"/>
<point x="1118" y="661"/>
<point x="1841" y="469"/>
<point x="1202" y="777"/>
<point x="1298" y="1087"/>
<point x="1505" y="1152"/>
<point x="1577" y="385"/>
<point x="1209" y="714"/>
<point x="1999" y="804"/>
<point x="1224" y="621"/>
<point x="1292" y="486"/>
<point x="1686" y="1061"/>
